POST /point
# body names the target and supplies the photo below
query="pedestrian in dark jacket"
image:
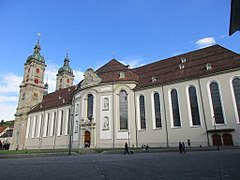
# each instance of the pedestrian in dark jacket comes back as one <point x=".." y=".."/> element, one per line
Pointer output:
<point x="180" y="147"/>
<point x="126" y="148"/>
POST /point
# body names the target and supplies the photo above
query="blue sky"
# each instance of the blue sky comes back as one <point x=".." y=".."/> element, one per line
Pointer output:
<point x="138" y="31"/>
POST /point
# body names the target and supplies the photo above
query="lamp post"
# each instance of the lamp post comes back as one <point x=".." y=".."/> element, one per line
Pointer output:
<point x="215" y="128"/>
<point x="129" y="139"/>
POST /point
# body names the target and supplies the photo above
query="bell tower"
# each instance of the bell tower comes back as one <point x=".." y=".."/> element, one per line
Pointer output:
<point x="65" y="75"/>
<point x="31" y="93"/>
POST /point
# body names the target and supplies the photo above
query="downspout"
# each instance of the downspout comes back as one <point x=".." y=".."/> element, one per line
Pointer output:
<point x="70" y="125"/>
<point x="204" y="114"/>
<point x="165" y="117"/>
<point x="56" y="128"/>
<point x="113" y="107"/>
<point x="41" y="130"/>
<point x="136" y="130"/>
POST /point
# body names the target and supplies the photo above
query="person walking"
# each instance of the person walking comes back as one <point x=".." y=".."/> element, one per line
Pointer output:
<point x="180" y="147"/>
<point x="183" y="147"/>
<point x="126" y="148"/>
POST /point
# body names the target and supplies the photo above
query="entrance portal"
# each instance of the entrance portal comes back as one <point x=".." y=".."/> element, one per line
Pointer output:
<point x="216" y="140"/>
<point x="87" y="139"/>
<point x="227" y="139"/>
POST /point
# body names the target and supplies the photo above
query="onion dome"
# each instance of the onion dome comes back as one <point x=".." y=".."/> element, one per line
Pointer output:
<point x="36" y="54"/>
<point x="66" y="68"/>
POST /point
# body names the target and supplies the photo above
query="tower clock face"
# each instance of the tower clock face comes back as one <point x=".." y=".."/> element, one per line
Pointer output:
<point x="36" y="81"/>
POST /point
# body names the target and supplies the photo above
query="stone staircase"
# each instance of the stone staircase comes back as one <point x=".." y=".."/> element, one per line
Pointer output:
<point x="84" y="151"/>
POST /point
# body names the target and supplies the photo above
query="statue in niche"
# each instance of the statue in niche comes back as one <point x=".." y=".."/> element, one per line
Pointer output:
<point x="106" y="104"/>
<point x="105" y="123"/>
<point x="77" y="109"/>
<point x="76" y="127"/>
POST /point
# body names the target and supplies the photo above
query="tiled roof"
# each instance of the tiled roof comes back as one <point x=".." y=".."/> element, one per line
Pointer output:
<point x="193" y="65"/>
<point x="56" y="99"/>
<point x="168" y="70"/>
<point x="111" y="66"/>
<point x="110" y="72"/>
<point x="2" y="128"/>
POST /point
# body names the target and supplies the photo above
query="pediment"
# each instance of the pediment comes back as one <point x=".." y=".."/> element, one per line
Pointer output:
<point x="90" y="78"/>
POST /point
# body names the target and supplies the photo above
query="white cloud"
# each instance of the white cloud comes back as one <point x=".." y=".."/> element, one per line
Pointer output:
<point x="78" y="76"/>
<point x="132" y="62"/>
<point x="7" y="111"/>
<point x="9" y="83"/>
<point x="9" y="99"/>
<point x="205" y="42"/>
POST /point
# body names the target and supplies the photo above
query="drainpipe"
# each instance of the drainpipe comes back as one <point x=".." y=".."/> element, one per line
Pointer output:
<point x="113" y="107"/>
<point x="165" y="117"/>
<point x="56" y="128"/>
<point x="136" y="130"/>
<point x="204" y="114"/>
<point x="70" y="125"/>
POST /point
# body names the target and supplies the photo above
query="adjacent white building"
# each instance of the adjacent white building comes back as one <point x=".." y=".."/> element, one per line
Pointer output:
<point x="193" y="97"/>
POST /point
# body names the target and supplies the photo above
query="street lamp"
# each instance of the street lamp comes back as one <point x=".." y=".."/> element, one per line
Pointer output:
<point x="129" y="139"/>
<point x="215" y="128"/>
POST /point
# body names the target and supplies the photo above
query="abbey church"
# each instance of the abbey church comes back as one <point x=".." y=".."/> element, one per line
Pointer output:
<point x="192" y="98"/>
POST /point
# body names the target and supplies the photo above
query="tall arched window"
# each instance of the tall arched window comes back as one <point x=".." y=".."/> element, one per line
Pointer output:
<point x="157" y="110"/>
<point x="90" y="107"/>
<point x="236" y="89"/>
<point x="216" y="103"/>
<point x="194" y="105"/>
<point x="175" y="108"/>
<point x="61" y="123"/>
<point x="123" y="102"/>
<point x="142" y="112"/>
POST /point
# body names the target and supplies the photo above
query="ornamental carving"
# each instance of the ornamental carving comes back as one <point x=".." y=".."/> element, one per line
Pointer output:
<point x="90" y="78"/>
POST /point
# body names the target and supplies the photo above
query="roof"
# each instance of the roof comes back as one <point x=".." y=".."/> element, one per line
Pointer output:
<point x="110" y="72"/>
<point x="58" y="98"/>
<point x="2" y="128"/>
<point x="111" y="66"/>
<point x="193" y="64"/>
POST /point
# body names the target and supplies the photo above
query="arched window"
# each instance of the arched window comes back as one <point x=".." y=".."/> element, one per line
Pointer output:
<point x="142" y="112"/>
<point x="123" y="102"/>
<point x="175" y="108"/>
<point x="61" y="123"/>
<point x="216" y="103"/>
<point x="90" y="107"/>
<point x="157" y="110"/>
<point x="194" y="105"/>
<point x="236" y="89"/>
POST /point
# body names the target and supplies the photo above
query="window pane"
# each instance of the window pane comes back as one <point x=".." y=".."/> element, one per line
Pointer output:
<point x="194" y="105"/>
<point x="236" y="88"/>
<point x="157" y="110"/>
<point x="142" y="112"/>
<point x="175" y="108"/>
<point x="216" y="102"/>
<point x="90" y="107"/>
<point x="123" y="109"/>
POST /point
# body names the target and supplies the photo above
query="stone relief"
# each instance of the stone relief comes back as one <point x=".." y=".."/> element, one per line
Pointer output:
<point x="90" y="78"/>
<point x="106" y="104"/>
<point x="105" y="123"/>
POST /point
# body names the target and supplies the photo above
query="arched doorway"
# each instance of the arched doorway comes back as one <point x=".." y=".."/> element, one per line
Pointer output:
<point x="87" y="139"/>
<point x="227" y="139"/>
<point x="216" y="140"/>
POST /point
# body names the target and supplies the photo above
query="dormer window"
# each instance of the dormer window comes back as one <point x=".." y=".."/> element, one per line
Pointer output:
<point x="208" y="66"/>
<point x="183" y="60"/>
<point x="154" y="79"/>
<point x="181" y="66"/>
<point x="121" y="75"/>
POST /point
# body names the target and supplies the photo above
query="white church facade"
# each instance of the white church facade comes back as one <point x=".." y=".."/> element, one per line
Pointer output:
<point x="193" y="97"/>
